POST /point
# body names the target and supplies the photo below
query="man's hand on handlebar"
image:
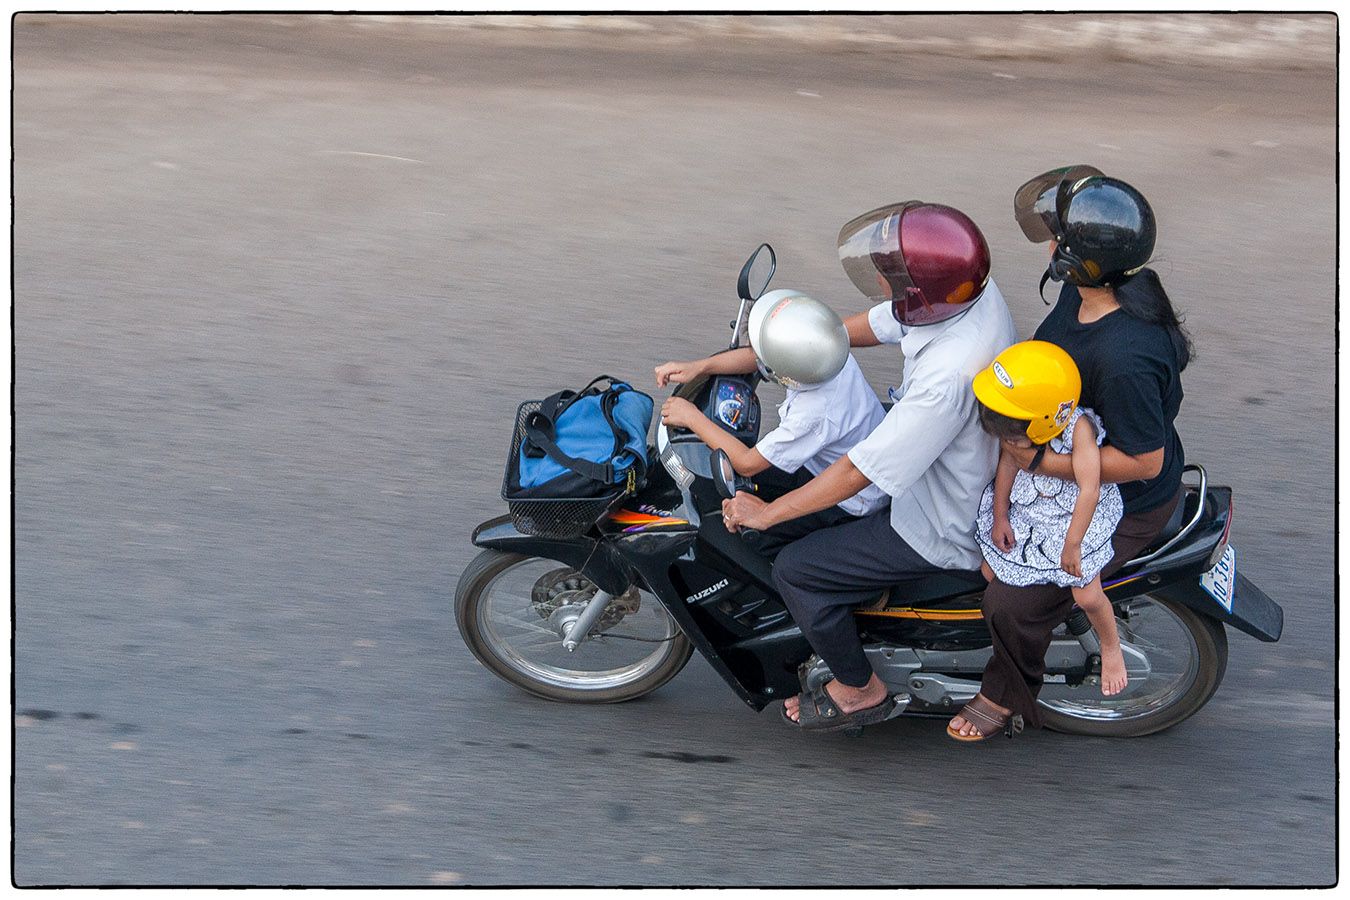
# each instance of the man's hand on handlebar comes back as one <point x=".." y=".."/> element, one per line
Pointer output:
<point x="745" y="510"/>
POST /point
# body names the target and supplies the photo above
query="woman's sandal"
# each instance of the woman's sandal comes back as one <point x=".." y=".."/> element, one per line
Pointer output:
<point x="817" y="711"/>
<point x="988" y="721"/>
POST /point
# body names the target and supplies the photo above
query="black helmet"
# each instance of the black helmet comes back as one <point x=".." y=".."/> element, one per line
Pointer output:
<point x="1103" y="227"/>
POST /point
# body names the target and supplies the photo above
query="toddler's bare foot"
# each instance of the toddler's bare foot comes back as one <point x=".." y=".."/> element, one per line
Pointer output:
<point x="1114" y="676"/>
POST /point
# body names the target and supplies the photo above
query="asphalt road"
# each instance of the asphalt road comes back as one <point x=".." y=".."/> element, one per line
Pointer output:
<point x="278" y="288"/>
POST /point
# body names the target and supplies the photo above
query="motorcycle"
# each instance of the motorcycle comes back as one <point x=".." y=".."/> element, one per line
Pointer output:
<point x="615" y="612"/>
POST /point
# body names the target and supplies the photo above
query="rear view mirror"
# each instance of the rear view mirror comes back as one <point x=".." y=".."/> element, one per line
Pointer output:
<point x="724" y="476"/>
<point x="756" y="273"/>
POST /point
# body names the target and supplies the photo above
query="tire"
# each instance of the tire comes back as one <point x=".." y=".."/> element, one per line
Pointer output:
<point x="1210" y="649"/>
<point x="470" y="597"/>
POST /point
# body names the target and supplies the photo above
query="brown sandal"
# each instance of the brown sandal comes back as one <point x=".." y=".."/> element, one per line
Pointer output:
<point x="988" y="721"/>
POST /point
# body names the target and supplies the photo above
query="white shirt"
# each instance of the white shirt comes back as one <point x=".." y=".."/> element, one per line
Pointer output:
<point x="817" y="426"/>
<point x="930" y="454"/>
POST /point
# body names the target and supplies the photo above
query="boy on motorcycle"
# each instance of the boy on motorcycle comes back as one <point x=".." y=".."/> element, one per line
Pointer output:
<point x="801" y="344"/>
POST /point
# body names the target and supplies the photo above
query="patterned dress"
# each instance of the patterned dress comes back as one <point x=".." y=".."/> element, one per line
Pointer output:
<point x="1039" y="511"/>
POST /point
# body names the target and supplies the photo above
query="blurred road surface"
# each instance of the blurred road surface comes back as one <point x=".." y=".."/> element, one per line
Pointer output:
<point x="279" y="285"/>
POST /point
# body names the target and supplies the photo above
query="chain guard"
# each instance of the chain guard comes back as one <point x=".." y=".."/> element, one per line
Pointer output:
<point x="568" y="587"/>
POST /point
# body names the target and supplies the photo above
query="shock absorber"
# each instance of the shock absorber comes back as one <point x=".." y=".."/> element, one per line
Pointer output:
<point x="1081" y="628"/>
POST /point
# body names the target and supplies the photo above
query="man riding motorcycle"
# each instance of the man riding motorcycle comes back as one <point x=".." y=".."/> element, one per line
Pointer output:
<point x="927" y="265"/>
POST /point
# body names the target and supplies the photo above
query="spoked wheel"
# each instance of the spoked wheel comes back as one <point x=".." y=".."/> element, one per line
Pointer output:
<point x="1187" y="654"/>
<point x="514" y="610"/>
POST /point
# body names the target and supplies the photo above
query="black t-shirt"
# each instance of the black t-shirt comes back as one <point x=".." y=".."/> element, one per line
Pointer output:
<point x="1131" y="380"/>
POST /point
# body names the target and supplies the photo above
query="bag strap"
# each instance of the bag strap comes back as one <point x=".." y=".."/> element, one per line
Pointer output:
<point x="555" y="405"/>
<point x="536" y="435"/>
<point x="546" y="414"/>
<point x="596" y="380"/>
<point x="552" y="407"/>
<point x="607" y="404"/>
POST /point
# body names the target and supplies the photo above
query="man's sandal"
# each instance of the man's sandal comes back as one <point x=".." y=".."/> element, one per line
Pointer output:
<point x="817" y="711"/>
<point x="987" y="720"/>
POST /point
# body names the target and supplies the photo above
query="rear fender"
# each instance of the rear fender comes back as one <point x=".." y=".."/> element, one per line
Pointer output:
<point x="1253" y="612"/>
<point x="1174" y="573"/>
<point x="594" y="559"/>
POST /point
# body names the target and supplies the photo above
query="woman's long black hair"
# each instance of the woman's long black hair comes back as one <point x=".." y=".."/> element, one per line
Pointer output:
<point x="1142" y="296"/>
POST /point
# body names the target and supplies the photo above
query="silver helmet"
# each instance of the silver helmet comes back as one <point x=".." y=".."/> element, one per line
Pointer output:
<point x="801" y="343"/>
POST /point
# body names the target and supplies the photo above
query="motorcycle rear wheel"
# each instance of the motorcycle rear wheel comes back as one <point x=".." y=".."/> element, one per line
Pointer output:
<point x="1189" y="654"/>
<point x="503" y="623"/>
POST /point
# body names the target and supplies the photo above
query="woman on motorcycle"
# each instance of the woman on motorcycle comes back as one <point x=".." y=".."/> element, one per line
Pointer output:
<point x="1118" y="324"/>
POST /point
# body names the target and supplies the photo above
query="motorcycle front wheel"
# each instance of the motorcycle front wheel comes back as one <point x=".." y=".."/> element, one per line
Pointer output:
<point x="1187" y="655"/>
<point x="512" y="611"/>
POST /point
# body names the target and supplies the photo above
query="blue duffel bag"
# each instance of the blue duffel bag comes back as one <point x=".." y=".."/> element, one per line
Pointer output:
<point x="583" y="444"/>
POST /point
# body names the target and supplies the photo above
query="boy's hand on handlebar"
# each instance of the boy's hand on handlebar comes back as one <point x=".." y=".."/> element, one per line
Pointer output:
<point x="678" y="412"/>
<point x="678" y="372"/>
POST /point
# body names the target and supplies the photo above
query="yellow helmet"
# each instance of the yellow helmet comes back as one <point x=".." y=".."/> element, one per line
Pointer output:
<point x="1035" y="381"/>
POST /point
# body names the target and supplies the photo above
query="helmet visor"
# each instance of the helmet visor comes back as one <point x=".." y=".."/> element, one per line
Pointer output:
<point x="1038" y="204"/>
<point x="871" y="253"/>
<point x="869" y="248"/>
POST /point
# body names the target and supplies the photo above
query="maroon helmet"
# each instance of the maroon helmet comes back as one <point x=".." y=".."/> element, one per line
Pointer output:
<point x="929" y="260"/>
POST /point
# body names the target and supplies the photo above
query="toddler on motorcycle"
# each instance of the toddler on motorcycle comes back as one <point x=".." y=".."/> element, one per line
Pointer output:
<point x="1035" y="528"/>
<point x="803" y="345"/>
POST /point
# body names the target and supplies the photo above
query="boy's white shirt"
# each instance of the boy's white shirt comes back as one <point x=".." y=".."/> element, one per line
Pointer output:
<point x="818" y="426"/>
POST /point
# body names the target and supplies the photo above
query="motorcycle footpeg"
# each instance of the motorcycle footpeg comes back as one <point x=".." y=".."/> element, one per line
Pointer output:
<point x="901" y="702"/>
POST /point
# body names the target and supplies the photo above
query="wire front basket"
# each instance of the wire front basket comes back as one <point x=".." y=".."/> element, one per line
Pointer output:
<point x="555" y="517"/>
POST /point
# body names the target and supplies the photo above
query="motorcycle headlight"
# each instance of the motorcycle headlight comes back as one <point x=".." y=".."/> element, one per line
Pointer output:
<point x="672" y="462"/>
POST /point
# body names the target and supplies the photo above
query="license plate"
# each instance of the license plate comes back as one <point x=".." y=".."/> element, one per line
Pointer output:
<point x="1220" y="581"/>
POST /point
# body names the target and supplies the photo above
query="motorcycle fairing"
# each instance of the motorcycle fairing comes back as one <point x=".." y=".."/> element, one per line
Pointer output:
<point x="594" y="559"/>
<point x="726" y="552"/>
<point x="652" y="556"/>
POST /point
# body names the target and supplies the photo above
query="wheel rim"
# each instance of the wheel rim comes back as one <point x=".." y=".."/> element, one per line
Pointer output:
<point x="520" y="635"/>
<point x="1174" y="661"/>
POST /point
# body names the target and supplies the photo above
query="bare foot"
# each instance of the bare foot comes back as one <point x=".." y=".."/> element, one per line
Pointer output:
<point x="1114" y="676"/>
<point x="848" y="699"/>
<point x="964" y="728"/>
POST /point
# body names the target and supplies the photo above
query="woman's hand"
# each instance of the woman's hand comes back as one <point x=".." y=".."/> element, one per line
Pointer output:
<point x="1071" y="560"/>
<point x="1020" y="453"/>
<point x="679" y="372"/>
<point x="678" y="412"/>
<point x="745" y="510"/>
<point x="1002" y="535"/>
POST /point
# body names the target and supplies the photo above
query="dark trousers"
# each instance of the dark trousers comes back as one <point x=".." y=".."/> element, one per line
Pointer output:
<point x="1021" y="619"/>
<point x="824" y="575"/>
<point x="773" y="483"/>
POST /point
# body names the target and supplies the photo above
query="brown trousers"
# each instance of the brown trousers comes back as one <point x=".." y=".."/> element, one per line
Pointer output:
<point x="1021" y="619"/>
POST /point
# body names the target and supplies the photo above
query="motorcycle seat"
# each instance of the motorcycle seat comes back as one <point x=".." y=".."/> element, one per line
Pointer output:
<point x="1180" y="516"/>
<point x="935" y="586"/>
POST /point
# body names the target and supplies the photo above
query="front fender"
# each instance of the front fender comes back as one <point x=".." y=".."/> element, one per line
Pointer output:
<point x="594" y="559"/>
